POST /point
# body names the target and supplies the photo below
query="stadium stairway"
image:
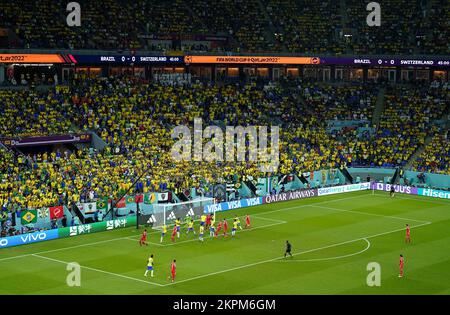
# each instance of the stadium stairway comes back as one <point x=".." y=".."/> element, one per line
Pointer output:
<point x="193" y="16"/>
<point x="3" y="146"/>
<point x="347" y="175"/>
<point x="344" y="22"/>
<point x="182" y="196"/>
<point x="251" y="186"/>
<point x="245" y="192"/>
<point x="425" y="21"/>
<point x="379" y="107"/>
<point x="395" y="177"/>
<point x="75" y="211"/>
<point x="302" y="179"/>
<point x="271" y="29"/>
<point x="446" y="122"/>
<point x="97" y="142"/>
<point x="418" y="152"/>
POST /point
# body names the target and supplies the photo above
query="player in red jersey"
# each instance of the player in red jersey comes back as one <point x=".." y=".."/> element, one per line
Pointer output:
<point x="208" y="220"/>
<point x="174" y="233"/>
<point x="401" y="265"/>
<point x="247" y="221"/>
<point x="143" y="240"/>
<point x="173" y="269"/>
<point x="408" y="234"/>
<point x="225" y="227"/>
<point x="219" y="227"/>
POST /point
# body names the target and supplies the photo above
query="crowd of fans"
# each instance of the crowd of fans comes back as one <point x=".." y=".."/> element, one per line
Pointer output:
<point x="403" y="126"/>
<point x="437" y="30"/>
<point x="436" y="156"/>
<point x="345" y="102"/>
<point x="307" y="26"/>
<point x="135" y="118"/>
<point x="400" y="21"/>
<point x="251" y="25"/>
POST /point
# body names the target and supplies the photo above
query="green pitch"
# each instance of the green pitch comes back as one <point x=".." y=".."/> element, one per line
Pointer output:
<point x="333" y="239"/>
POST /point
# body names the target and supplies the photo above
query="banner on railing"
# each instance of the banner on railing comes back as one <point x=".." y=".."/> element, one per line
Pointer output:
<point x="96" y="227"/>
<point x="342" y="189"/>
<point x="231" y="205"/>
<point x="428" y="192"/>
<point x="291" y="195"/>
<point x="397" y="188"/>
<point x="28" y="238"/>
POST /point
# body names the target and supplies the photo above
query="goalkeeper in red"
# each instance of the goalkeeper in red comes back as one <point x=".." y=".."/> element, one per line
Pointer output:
<point x="225" y="227"/>
<point x="247" y="221"/>
<point x="174" y="233"/>
<point x="143" y="240"/>
<point x="219" y="227"/>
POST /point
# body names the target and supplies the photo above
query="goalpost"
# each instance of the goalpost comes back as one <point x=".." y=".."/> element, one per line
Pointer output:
<point x="167" y="213"/>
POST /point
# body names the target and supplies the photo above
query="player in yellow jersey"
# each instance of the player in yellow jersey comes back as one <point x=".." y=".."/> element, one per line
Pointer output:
<point x="190" y="226"/>
<point x="212" y="229"/>
<point x="238" y="222"/>
<point x="164" y="231"/>
<point x="178" y="225"/>
<point x="235" y="226"/>
<point x="203" y="220"/>
<point x="149" y="266"/>
<point x="200" y="233"/>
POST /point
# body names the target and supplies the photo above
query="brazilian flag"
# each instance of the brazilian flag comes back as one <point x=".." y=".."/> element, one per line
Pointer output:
<point x="130" y="200"/>
<point x="29" y="216"/>
<point x="102" y="204"/>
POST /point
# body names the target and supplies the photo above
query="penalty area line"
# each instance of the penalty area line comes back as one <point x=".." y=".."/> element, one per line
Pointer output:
<point x="209" y="237"/>
<point x="295" y="254"/>
<point x="98" y="270"/>
<point x="330" y="258"/>
<point x="371" y="214"/>
<point x="155" y="232"/>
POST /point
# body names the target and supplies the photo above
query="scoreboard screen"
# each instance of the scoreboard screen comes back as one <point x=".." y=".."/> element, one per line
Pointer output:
<point x="252" y="60"/>
<point x="126" y="59"/>
<point x="33" y="58"/>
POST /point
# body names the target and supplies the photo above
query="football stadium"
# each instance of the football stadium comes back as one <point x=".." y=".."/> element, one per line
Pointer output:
<point x="239" y="147"/>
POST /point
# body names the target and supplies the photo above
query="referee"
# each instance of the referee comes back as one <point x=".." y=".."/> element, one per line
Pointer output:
<point x="288" y="249"/>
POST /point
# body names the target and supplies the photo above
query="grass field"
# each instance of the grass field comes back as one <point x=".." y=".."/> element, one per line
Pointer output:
<point x="333" y="239"/>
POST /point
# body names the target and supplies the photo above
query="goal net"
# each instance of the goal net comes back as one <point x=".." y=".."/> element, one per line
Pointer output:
<point x="167" y="213"/>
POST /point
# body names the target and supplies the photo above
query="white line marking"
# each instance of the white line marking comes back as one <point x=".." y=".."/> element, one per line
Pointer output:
<point x="208" y="237"/>
<point x="268" y="219"/>
<point x="121" y="238"/>
<point x="330" y="258"/>
<point x="64" y="248"/>
<point x="368" y="213"/>
<point x="316" y="203"/>
<point x="137" y="240"/>
<point x="99" y="270"/>
<point x="235" y="268"/>
<point x="300" y="253"/>
<point x="92" y="243"/>
<point x="14" y="257"/>
<point x="419" y="198"/>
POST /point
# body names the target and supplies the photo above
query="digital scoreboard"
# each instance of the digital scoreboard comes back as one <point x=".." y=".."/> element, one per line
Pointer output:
<point x="126" y="59"/>
<point x="197" y="59"/>
<point x="34" y="58"/>
<point x="252" y="60"/>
